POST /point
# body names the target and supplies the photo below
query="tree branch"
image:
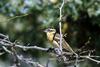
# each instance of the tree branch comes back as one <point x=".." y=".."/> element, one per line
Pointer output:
<point x="60" y="18"/>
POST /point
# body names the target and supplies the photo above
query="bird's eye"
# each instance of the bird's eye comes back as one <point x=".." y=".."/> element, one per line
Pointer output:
<point x="51" y="30"/>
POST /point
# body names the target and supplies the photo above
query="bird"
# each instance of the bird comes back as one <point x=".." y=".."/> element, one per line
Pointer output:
<point x="54" y="38"/>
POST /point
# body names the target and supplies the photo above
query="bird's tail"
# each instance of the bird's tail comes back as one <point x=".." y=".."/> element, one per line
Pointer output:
<point x="67" y="47"/>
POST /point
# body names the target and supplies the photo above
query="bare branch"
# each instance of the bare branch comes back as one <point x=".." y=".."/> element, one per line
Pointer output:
<point x="10" y="44"/>
<point x="5" y="43"/>
<point x="89" y="57"/>
<point x="60" y="25"/>
<point x="1" y="53"/>
<point x="17" y="17"/>
<point x="8" y="51"/>
<point x="32" y="47"/>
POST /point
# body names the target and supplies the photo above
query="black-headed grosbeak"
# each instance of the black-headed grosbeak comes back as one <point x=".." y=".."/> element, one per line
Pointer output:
<point x="54" y="38"/>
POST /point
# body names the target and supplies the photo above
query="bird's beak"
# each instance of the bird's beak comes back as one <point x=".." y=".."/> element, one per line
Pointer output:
<point x="45" y="30"/>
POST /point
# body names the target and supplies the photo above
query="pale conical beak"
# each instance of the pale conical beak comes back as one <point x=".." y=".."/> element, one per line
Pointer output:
<point x="45" y="31"/>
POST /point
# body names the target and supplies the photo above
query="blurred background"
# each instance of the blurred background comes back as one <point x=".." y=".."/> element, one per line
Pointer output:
<point x="25" y="20"/>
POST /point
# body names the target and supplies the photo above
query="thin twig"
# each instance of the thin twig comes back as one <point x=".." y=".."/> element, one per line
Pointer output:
<point x="89" y="57"/>
<point x="17" y="17"/>
<point x="60" y="25"/>
<point x="6" y="50"/>
<point x="10" y="44"/>
<point x="32" y="47"/>
<point x="1" y="53"/>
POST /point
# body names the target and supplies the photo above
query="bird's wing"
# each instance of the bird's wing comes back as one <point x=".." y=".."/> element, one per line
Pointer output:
<point x="65" y="45"/>
<point x="55" y="44"/>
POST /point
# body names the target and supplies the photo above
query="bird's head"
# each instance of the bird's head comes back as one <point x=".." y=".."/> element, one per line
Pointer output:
<point x="50" y="30"/>
<point x="50" y="33"/>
